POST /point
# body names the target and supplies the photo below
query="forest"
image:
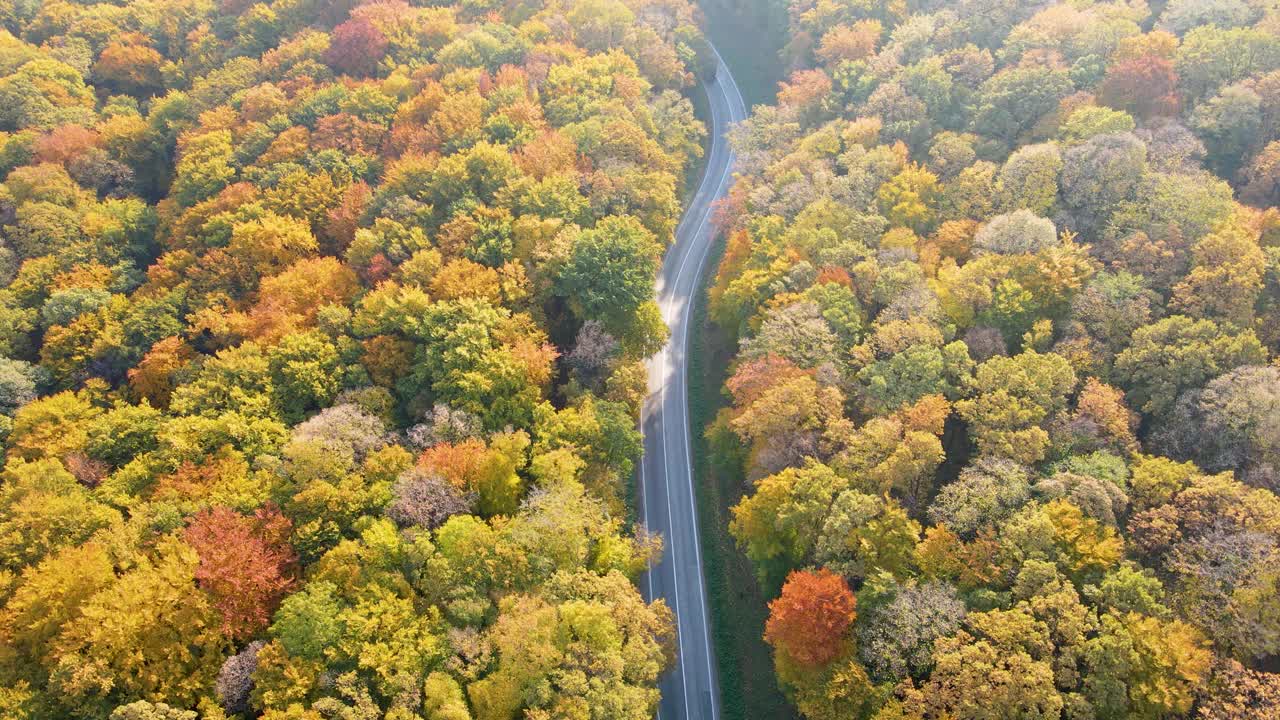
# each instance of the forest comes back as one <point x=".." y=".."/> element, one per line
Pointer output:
<point x="321" y="341"/>
<point x="323" y="328"/>
<point x="1003" y="280"/>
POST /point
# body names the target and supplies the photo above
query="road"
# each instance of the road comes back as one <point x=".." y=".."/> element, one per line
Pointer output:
<point x="667" y="497"/>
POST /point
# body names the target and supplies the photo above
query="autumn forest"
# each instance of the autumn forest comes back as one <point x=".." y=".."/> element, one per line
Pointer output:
<point x="1004" y="279"/>
<point x="322" y="333"/>
<point x="324" y="328"/>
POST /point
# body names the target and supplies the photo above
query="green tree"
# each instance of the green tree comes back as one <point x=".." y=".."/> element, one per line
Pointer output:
<point x="1011" y="101"/>
<point x="610" y="270"/>
<point x="1143" y="667"/>
<point x="904" y="378"/>
<point x="1178" y="353"/>
<point x="779" y="523"/>
<point x="1012" y="401"/>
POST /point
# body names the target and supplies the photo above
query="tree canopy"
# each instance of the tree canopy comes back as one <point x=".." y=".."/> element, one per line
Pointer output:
<point x="300" y="411"/>
<point x="1002" y="281"/>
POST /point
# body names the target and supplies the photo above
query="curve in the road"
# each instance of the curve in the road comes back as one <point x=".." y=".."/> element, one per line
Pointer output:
<point x="690" y="690"/>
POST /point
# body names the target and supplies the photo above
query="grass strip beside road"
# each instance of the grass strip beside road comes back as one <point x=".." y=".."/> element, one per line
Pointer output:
<point x="748" y="687"/>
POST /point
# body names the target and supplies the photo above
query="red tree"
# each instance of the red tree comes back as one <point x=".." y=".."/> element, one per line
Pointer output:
<point x="756" y="377"/>
<point x="356" y="47"/>
<point x="246" y="565"/>
<point x="459" y="464"/>
<point x="808" y="621"/>
<point x="1142" y="87"/>
<point x="805" y="91"/>
<point x="65" y="143"/>
<point x="340" y="229"/>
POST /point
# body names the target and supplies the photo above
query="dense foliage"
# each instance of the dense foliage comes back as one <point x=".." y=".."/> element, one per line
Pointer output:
<point x="320" y="345"/>
<point x="1006" y="279"/>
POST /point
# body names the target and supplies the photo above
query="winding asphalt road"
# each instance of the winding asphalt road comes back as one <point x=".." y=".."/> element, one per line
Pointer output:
<point x="667" y="496"/>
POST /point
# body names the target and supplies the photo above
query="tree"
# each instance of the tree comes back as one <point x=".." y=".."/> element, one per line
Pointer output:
<point x="307" y="622"/>
<point x="782" y="419"/>
<point x="246" y="566"/>
<point x="797" y="332"/>
<point x="444" y="425"/>
<point x="778" y="525"/>
<point x="1088" y="121"/>
<point x="1181" y="15"/>
<point x="488" y="472"/>
<point x="610" y="271"/>
<point x="950" y="153"/>
<point x="49" y="597"/>
<point x="1179" y="353"/>
<point x="899" y="453"/>
<point x="235" y="679"/>
<point x="581" y="623"/>
<point x="51" y="427"/>
<point x="235" y="380"/>
<point x="593" y="351"/>
<point x="920" y="370"/>
<point x="44" y="93"/>
<point x="1144" y="87"/>
<point x="153" y="377"/>
<point x="1082" y="547"/>
<point x="443" y="698"/>
<point x="18" y="383"/>
<point x="272" y="243"/>
<point x="850" y="42"/>
<point x="346" y="428"/>
<point x="1178" y="207"/>
<point x="1229" y="124"/>
<point x="477" y="357"/>
<point x="1225" y="278"/>
<point x="1142" y="667"/>
<point x="1236" y="691"/>
<point x="1101" y="421"/>
<point x="986" y="493"/>
<point x="863" y="535"/>
<point x="1156" y="480"/>
<point x="143" y="710"/>
<point x="909" y="199"/>
<point x="1111" y="307"/>
<point x="600" y="432"/>
<point x="1096" y="498"/>
<point x="204" y="168"/>
<point x="147" y="635"/>
<point x="356" y="48"/>
<point x="1011" y="101"/>
<point x="1210" y="58"/>
<point x="1029" y="178"/>
<point x="1212" y="539"/>
<point x="43" y="509"/>
<point x="840" y="689"/>
<point x="1013" y="400"/>
<point x="1230" y="425"/>
<point x="809" y="622"/>
<point x="305" y="374"/>
<point x="1100" y="173"/>
<point x="130" y="66"/>
<point x="897" y="634"/>
<point x="1014" y="233"/>
<point x="1226" y="579"/>
<point x="975" y="677"/>
<point x="425" y="500"/>
<point x="1262" y="177"/>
